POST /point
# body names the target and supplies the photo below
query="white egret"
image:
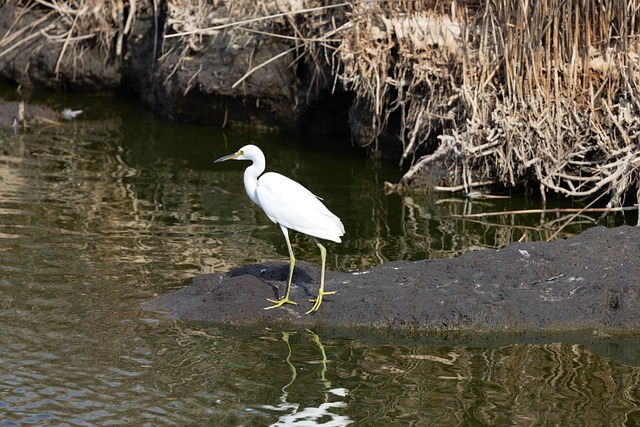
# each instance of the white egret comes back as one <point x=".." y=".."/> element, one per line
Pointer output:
<point x="291" y="206"/>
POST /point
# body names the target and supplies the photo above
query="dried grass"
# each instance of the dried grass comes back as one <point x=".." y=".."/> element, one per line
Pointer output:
<point x="509" y="91"/>
<point x="310" y="26"/>
<point x="77" y="24"/>
<point x="517" y="92"/>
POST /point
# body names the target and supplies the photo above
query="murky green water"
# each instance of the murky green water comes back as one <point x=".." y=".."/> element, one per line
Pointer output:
<point x="101" y="214"/>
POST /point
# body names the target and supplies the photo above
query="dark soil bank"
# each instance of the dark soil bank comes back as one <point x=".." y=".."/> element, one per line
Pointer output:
<point x="590" y="281"/>
<point x="197" y="88"/>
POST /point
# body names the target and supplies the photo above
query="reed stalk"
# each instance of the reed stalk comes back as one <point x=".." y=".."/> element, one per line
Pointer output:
<point x="518" y="92"/>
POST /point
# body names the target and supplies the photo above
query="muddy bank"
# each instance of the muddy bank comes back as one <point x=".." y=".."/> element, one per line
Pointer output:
<point x="210" y="81"/>
<point x="427" y="85"/>
<point x="590" y="281"/>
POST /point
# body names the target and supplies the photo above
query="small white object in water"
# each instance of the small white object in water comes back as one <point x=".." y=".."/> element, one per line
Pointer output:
<point x="69" y="114"/>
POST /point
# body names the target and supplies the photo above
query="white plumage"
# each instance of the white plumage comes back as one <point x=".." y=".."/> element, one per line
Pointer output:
<point x="291" y="206"/>
<point x="297" y="208"/>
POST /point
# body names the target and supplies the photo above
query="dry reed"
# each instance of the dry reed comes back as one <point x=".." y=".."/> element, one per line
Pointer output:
<point x="516" y="92"/>
<point x="523" y="92"/>
<point x="103" y="23"/>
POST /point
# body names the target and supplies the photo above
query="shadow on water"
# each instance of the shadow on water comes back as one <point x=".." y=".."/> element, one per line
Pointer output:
<point x="100" y="214"/>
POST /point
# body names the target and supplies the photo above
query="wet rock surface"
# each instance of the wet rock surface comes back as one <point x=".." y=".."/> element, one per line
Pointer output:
<point x="589" y="281"/>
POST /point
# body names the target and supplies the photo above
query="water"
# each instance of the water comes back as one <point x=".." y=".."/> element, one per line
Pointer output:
<point x="101" y="214"/>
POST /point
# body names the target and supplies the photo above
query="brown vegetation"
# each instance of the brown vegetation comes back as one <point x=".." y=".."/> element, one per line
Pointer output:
<point x="77" y="24"/>
<point x="541" y="93"/>
<point x="515" y="92"/>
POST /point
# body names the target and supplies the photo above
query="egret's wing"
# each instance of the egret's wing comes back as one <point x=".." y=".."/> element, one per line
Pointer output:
<point x="290" y="204"/>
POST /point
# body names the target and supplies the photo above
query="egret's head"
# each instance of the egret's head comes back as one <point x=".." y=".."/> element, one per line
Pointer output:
<point x="248" y="152"/>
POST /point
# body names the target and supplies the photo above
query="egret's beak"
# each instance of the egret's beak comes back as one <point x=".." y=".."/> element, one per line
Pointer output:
<point x="229" y="157"/>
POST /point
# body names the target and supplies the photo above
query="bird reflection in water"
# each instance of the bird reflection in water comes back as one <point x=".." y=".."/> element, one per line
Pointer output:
<point x="321" y="415"/>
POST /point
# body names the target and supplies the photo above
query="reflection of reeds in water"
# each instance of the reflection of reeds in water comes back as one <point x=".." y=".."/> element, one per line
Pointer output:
<point x="200" y="372"/>
<point x="553" y="383"/>
<point x="464" y="224"/>
<point x="420" y="225"/>
<point x="14" y="186"/>
<point x="511" y="385"/>
<point x="80" y="183"/>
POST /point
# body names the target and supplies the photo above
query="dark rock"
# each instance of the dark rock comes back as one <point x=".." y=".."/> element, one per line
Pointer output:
<point x="590" y="281"/>
<point x="26" y="114"/>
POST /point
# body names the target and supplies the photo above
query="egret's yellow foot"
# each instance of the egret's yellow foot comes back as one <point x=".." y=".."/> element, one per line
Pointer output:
<point x="280" y="303"/>
<point x="317" y="301"/>
<point x="323" y="293"/>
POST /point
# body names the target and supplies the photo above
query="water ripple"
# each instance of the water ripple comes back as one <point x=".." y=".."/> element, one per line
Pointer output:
<point x="98" y="216"/>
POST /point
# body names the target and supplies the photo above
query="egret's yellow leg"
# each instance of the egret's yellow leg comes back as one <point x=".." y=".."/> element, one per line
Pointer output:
<point x="321" y="292"/>
<point x="292" y="263"/>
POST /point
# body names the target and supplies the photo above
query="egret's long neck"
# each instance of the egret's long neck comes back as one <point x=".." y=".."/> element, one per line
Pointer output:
<point x="251" y="175"/>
